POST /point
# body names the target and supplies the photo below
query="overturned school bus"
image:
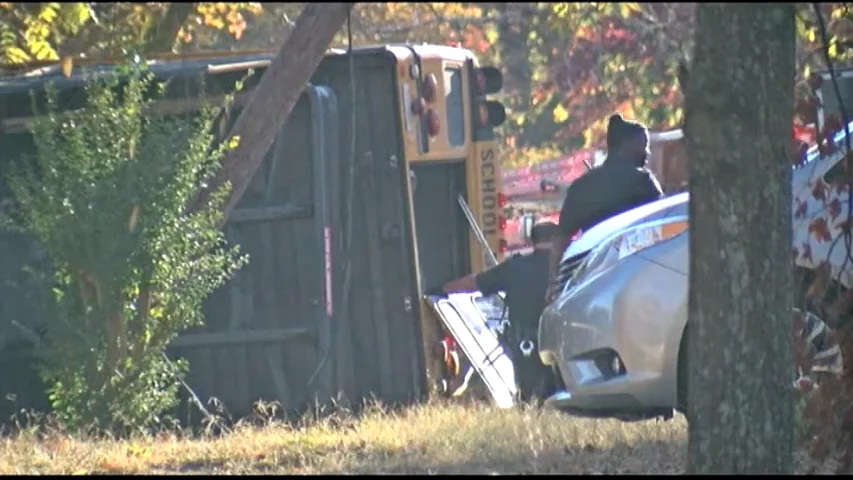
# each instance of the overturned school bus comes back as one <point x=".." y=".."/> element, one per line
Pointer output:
<point x="354" y="213"/>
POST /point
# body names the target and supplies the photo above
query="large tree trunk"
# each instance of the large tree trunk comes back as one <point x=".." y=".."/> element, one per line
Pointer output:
<point x="740" y="109"/>
<point x="275" y="96"/>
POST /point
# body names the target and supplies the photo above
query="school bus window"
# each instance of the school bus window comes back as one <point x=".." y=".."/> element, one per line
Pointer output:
<point x="453" y="101"/>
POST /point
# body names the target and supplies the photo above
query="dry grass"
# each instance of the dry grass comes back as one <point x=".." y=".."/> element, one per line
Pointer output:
<point x="436" y="438"/>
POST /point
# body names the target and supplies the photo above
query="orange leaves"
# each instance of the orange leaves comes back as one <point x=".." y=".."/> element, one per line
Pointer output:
<point x="539" y="95"/>
<point x="834" y="208"/>
<point x="475" y="39"/>
<point x="236" y="24"/>
<point x="619" y="34"/>
<point x="421" y="22"/>
<point x="210" y="16"/>
<point x="225" y="16"/>
<point x="621" y="59"/>
<point x="583" y="32"/>
<point x="66" y="64"/>
<point x="819" y="229"/>
<point x="819" y="190"/>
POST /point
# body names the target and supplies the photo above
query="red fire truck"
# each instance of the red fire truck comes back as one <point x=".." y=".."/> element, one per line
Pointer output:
<point x="535" y="194"/>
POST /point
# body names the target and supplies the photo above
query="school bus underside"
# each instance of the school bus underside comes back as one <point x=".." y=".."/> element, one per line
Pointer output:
<point x="345" y="233"/>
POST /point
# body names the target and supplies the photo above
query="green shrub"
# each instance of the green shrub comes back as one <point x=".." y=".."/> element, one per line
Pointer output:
<point x="105" y="194"/>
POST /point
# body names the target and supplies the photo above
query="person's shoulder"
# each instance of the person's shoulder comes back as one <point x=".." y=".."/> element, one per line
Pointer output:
<point x="516" y="259"/>
<point x="590" y="176"/>
<point x="532" y="257"/>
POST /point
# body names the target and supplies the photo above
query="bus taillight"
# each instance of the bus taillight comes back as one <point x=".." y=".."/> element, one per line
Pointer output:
<point x="480" y="81"/>
<point x="502" y="200"/>
<point x="483" y="115"/>
<point x="429" y="88"/>
<point x="418" y="106"/>
<point x="433" y="124"/>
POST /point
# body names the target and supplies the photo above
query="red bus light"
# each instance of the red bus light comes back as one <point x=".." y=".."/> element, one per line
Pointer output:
<point x="430" y="88"/>
<point x="502" y="246"/>
<point x="502" y="200"/>
<point x="501" y="223"/>
<point x="487" y="80"/>
<point x="432" y="122"/>
<point x="418" y="106"/>
<point x="483" y="114"/>
<point x="480" y="81"/>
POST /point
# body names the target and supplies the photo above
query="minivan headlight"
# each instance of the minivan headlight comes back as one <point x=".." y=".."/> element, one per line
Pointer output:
<point x="628" y="242"/>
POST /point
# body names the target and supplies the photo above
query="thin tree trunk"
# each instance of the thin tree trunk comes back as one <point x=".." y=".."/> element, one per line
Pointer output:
<point x="275" y="96"/>
<point x="166" y="31"/>
<point x="740" y="109"/>
<point x="514" y="25"/>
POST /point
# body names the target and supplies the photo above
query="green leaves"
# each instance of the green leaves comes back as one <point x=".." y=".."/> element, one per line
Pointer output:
<point x="104" y="195"/>
<point x="626" y="9"/>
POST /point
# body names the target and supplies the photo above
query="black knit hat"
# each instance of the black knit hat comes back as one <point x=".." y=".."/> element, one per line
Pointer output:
<point x="543" y="232"/>
<point x="619" y="129"/>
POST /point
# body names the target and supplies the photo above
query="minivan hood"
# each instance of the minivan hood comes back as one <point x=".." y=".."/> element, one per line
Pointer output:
<point x="669" y="206"/>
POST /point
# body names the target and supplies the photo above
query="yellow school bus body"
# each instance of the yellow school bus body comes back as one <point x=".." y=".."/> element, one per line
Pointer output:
<point x="482" y="163"/>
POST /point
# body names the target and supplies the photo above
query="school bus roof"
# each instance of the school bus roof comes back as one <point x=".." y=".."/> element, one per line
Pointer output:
<point x="24" y="82"/>
<point x="20" y="78"/>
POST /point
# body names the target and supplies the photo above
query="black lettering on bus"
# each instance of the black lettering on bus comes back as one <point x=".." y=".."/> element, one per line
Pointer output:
<point x="487" y="170"/>
<point x="488" y="185"/>
<point x="490" y="219"/>
<point x="488" y="191"/>
<point x="489" y="202"/>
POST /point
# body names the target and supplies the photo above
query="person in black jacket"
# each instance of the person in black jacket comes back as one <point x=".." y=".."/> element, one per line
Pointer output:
<point x="524" y="279"/>
<point x="621" y="183"/>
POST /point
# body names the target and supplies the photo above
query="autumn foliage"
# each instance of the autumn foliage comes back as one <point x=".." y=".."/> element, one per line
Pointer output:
<point x="824" y="207"/>
<point x="566" y="66"/>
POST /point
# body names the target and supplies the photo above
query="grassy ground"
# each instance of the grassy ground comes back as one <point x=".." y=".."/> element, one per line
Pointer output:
<point x="437" y="438"/>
